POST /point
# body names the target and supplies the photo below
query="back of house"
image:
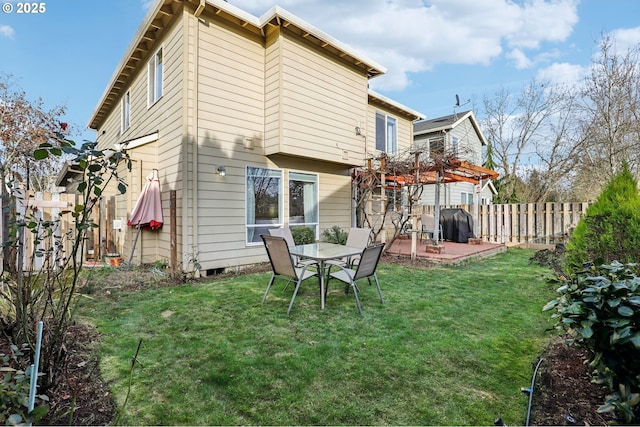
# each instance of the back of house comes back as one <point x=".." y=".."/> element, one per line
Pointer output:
<point x="252" y="123"/>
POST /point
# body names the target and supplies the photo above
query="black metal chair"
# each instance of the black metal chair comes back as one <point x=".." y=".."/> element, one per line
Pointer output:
<point x="366" y="270"/>
<point x="283" y="266"/>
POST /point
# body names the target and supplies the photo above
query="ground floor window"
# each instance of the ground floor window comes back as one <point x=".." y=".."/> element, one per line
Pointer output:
<point x="466" y="198"/>
<point x="303" y="200"/>
<point x="264" y="202"/>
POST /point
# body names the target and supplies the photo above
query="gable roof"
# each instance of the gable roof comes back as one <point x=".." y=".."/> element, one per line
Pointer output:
<point x="162" y="11"/>
<point x="446" y="123"/>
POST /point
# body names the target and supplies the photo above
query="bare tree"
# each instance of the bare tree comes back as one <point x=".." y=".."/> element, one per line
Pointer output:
<point x="610" y="111"/>
<point x="24" y="125"/>
<point x="534" y="131"/>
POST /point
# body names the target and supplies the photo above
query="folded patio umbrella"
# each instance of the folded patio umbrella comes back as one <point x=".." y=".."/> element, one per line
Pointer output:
<point x="148" y="209"/>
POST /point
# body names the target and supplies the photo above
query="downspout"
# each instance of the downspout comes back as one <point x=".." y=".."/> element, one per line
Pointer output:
<point x="186" y="136"/>
<point x="194" y="164"/>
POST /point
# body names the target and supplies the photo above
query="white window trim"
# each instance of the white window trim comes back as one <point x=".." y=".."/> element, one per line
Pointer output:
<point x="386" y="127"/>
<point x="151" y="77"/>
<point x="125" y="114"/>
<point x="317" y="197"/>
<point x="281" y="212"/>
<point x="395" y="136"/>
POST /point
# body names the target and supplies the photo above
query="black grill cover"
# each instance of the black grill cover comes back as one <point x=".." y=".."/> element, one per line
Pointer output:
<point x="457" y="225"/>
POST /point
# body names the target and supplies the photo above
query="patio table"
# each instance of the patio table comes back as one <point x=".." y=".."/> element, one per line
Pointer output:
<point x="323" y="252"/>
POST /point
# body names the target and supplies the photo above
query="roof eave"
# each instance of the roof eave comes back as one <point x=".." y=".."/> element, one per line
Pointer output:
<point x="276" y="12"/>
<point x="396" y="105"/>
<point x="154" y="10"/>
<point x="160" y="7"/>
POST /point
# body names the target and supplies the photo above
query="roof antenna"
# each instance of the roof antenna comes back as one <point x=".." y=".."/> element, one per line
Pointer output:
<point x="458" y="105"/>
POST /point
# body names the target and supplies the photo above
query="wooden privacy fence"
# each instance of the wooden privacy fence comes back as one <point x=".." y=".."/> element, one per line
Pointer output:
<point x="45" y="206"/>
<point x="40" y="206"/>
<point x="547" y="223"/>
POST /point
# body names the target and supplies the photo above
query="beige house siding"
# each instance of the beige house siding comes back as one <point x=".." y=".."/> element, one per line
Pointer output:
<point x="164" y="117"/>
<point x="230" y="126"/>
<point x="238" y="93"/>
<point x="320" y="103"/>
<point x="273" y="93"/>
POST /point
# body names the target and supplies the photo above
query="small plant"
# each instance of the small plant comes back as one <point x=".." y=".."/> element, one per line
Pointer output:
<point x="600" y="310"/>
<point x="14" y="393"/>
<point x="335" y="235"/>
<point x="303" y="235"/>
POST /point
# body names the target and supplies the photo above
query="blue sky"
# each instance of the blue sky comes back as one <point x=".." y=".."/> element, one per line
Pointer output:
<point x="432" y="49"/>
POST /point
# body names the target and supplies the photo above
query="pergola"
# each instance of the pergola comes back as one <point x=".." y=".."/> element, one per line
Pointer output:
<point x="451" y="170"/>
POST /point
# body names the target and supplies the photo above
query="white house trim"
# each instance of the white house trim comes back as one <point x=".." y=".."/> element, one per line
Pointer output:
<point x="136" y="142"/>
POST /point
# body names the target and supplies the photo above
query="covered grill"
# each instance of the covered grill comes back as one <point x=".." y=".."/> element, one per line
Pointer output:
<point x="457" y="225"/>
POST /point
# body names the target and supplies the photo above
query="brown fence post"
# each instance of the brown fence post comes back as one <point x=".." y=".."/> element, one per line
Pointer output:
<point x="173" y="235"/>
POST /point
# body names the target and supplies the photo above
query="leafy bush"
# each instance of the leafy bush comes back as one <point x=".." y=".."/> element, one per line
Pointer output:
<point x="600" y="310"/>
<point x="303" y="235"/>
<point x="14" y="393"/>
<point x="49" y="293"/>
<point x="335" y="235"/>
<point x="610" y="229"/>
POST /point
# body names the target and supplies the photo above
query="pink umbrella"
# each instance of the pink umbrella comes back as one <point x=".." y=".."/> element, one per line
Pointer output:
<point x="148" y="209"/>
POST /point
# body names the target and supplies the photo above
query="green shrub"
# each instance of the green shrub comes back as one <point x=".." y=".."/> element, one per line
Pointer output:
<point x="335" y="235"/>
<point x="303" y="235"/>
<point x="14" y="393"/>
<point x="600" y="310"/>
<point x="610" y="229"/>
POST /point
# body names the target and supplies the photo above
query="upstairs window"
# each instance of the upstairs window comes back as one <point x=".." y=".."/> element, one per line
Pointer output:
<point x="155" y="78"/>
<point x="126" y="112"/>
<point x="436" y="148"/>
<point x="386" y="133"/>
<point x="454" y="147"/>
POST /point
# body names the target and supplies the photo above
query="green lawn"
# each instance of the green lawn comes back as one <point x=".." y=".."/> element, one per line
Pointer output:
<point x="451" y="346"/>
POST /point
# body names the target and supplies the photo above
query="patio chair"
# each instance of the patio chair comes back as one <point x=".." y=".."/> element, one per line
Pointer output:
<point x="366" y="270"/>
<point x="286" y="234"/>
<point x="357" y="238"/>
<point x="282" y="265"/>
<point x="429" y="226"/>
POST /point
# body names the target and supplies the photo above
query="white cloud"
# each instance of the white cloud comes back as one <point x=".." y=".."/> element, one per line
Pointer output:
<point x="520" y="59"/>
<point x="409" y="36"/>
<point x="625" y="39"/>
<point x="7" y="31"/>
<point x="542" y="21"/>
<point x="563" y="73"/>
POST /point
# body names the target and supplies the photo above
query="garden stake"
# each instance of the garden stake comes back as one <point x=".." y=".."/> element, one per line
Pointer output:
<point x="34" y="370"/>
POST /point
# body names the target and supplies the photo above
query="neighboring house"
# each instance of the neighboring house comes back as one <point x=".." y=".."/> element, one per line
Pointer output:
<point x="457" y="135"/>
<point x="252" y="123"/>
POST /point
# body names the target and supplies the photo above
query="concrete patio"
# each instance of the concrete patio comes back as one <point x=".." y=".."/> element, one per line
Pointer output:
<point x="454" y="253"/>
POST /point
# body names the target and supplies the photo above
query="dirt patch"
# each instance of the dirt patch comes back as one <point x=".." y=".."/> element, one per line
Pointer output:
<point x="563" y="393"/>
